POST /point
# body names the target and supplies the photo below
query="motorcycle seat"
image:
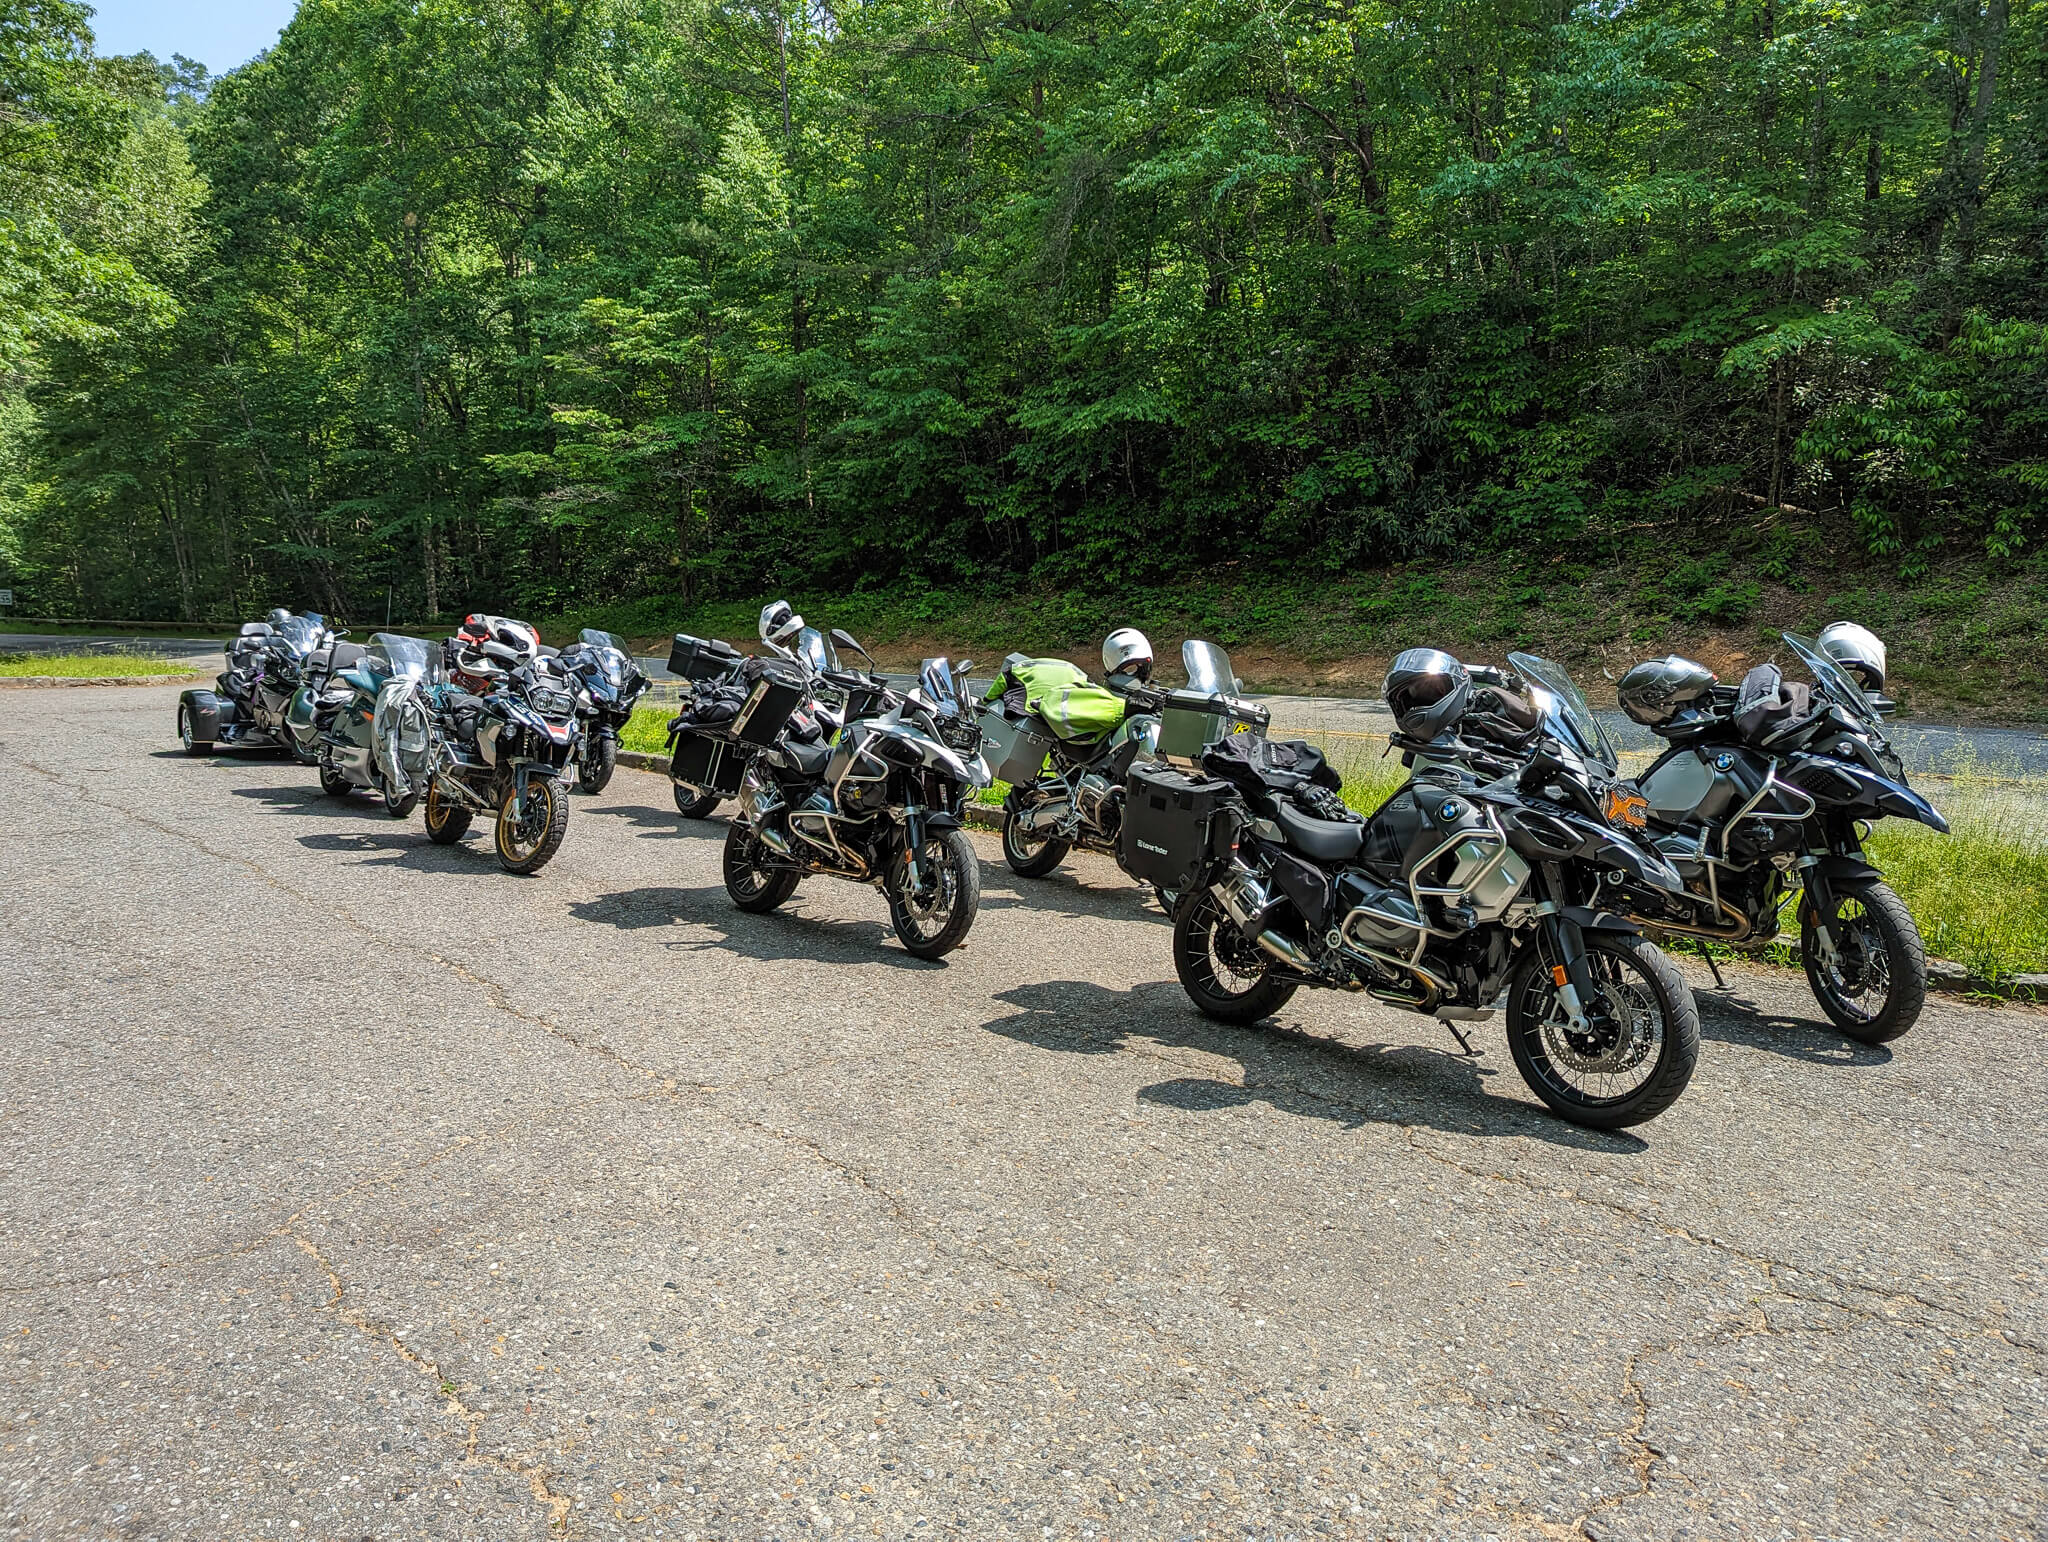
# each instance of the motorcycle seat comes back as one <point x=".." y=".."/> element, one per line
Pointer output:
<point x="808" y="758"/>
<point x="1325" y="840"/>
<point x="255" y="629"/>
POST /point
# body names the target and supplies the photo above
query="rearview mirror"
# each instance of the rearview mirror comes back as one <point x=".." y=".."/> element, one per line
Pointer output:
<point x="845" y="639"/>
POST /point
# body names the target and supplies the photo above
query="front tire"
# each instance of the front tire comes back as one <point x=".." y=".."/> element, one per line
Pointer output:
<point x="1227" y="975"/>
<point x="400" y="807"/>
<point x="594" y="767"/>
<point x="446" y="824"/>
<point x="756" y="885"/>
<point x="1874" y="988"/>
<point x="1643" y="1039"/>
<point x="933" y="921"/>
<point x="333" y="783"/>
<point x="188" y="735"/>
<point x="695" y="805"/>
<point x="526" y="843"/>
<point x="1029" y="857"/>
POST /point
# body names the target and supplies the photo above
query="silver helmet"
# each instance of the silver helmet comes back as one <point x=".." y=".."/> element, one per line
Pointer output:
<point x="1653" y="691"/>
<point x="780" y="625"/>
<point x="1857" y="650"/>
<point x="1126" y="651"/>
<point x="278" y="617"/>
<point x="1427" y="690"/>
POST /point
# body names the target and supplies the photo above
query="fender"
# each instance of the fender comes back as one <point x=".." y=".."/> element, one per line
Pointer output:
<point x="1589" y="920"/>
<point x="1868" y="793"/>
<point x="938" y="821"/>
<point x="204" y="709"/>
<point x="1846" y="867"/>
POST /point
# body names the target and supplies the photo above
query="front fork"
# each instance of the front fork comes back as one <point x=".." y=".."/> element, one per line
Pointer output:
<point x="1570" y="973"/>
<point x="913" y="850"/>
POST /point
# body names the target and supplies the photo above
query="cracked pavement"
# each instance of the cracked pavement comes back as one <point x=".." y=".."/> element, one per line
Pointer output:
<point x="352" y="1188"/>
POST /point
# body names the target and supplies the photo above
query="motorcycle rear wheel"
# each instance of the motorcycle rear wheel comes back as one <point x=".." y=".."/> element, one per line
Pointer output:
<point x="193" y="746"/>
<point x="446" y="824"/>
<point x="333" y="783"/>
<point x="754" y="884"/>
<point x="932" y="922"/>
<point x="1030" y="858"/>
<point x="1646" y="1016"/>
<point x="1875" y="990"/>
<point x="526" y="844"/>
<point x="594" y="767"/>
<point x="1227" y="976"/>
<point x="400" y="807"/>
<point x="302" y="753"/>
<point x="695" y="805"/>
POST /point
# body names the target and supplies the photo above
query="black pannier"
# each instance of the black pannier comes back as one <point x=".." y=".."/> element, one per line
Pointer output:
<point x="700" y="658"/>
<point x="1169" y="824"/>
<point x="778" y="691"/>
<point x="708" y="764"/>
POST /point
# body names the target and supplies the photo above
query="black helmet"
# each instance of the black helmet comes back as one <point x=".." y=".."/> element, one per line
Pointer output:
<point x="1427" y="690"/>
<point x="1656" y="688"/>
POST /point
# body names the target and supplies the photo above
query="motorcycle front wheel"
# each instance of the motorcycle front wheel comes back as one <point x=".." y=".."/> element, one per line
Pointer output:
<point x="933" y="920"/>
<point x="755" y="884"/>
<point x="1876" y="984"/>
<point x="526" y="841"/>
<point x="333" y="783"/>
<point x="400" y="807"/>
<point x="594" y="767"/>
<point x="1030" y="856"/>
<point x="1227" y="975"/>
<point x="446" y="823"/>
<point x="695" y="805"/>
<point x="1640" y="1044"/>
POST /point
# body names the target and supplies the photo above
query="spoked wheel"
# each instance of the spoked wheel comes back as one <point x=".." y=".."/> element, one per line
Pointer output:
<point x="332" y="782"/>
<point x="446" y="823"/>
<point x="1030" y="855"/>
<point x="187" y="734"/>
<point x="753" y="880"/>
<point x="594" y="767"/>
<point x="1873" y="982"/>
<point x="692" y="804"/>
<point x="932" y="920"/>
<point x="1227" y="975"/>
<point x="526" y="840"/>
<point x="1641" y="1040"/>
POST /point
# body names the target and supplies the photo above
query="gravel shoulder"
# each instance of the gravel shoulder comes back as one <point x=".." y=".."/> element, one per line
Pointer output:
<point x="354" y="1188"/>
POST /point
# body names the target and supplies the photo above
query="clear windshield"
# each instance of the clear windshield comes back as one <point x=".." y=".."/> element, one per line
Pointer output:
<point x="302" y="632"/>
<point x="936" y="678"/>
<point x="599" y="639"/>
<point x="1836" y="683"/>
<point x="392" y="654"/>
<point x="816" y="650"/>
<point x="1569" y="716"/>
<point x="1208" y="668"/>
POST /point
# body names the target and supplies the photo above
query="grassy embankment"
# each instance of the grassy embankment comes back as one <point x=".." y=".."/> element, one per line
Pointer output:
<point x="87" y="666"/>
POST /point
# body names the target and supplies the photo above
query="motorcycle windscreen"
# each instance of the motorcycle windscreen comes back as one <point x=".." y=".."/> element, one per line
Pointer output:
<point x="1837" y="685"/>
<point x="391" y="653"/>
<point x="1572" y="718"/>
<point x="1208" y="667"/>
<point x="816" y="650"/>
<point x="597" y="639"/>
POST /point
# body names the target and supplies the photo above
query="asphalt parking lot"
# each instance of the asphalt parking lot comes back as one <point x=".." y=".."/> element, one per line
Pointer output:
<point x="352" y="1188"/>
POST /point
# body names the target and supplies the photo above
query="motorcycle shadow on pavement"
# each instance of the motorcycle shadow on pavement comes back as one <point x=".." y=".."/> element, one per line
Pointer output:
<point x="1730" y="1017"/>
<point x="654" y="821"/>
<point x="1068" y="898"/>
<point x="781" y="936"/>
<point x="400" y="847"/>
<point x="1291" y="1070"/>
<point x="311" y="800"/>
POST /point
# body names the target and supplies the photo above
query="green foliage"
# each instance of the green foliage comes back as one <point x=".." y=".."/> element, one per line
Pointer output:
<point x="455" y="304"/>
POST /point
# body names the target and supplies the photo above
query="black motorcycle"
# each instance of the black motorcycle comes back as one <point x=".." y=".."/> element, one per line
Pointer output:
<point x="704" y="769"/>
<point x="1456" y="889"/>
<point x="1768" y="787"/>
<point x="252" y="697"/>
<point x="870" y="790"/>
<point x="608" y="684"/>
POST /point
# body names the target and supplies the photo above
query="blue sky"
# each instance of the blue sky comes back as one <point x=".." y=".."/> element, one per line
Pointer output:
<point x="220" y="34"/>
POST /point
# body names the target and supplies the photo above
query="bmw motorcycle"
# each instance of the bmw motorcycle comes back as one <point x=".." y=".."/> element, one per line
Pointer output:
<point x="1458" y="888"/>
<point x="1066" y="747"/>
<point x="249" y="704"/>
<point x="607" y="684"/>
<point x="507" y="755"/>
<point x="1768" y="788"/>
<point x="876" y="800"/>
<point x="371" y="722"/>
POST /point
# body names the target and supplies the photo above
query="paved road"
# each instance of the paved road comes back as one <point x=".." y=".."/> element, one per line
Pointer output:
<point x="355" y="1189"/>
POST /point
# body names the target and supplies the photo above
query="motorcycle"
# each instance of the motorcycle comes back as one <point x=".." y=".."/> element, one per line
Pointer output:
<point x="302" y="716"/>
<point x="1768" y="788"/>
<point x="1455" y="889"/>
<point x="1066" y="746"/>
<point x="508" y="755"/>
<point x="703" y="770"/>
<point x="248" y="707"/>
<point x="877" y="800"/>
<point x="607" y="684"/>
<point x="371" y="722"/>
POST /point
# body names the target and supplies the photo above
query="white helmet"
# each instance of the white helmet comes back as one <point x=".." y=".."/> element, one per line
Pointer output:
<point x="1126" y="652"/>
<point x="779" y="625"/>
<point x="1857" y="650"/>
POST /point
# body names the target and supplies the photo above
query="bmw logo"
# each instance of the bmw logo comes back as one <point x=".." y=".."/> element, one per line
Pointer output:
<point x="1724" y="761"/>
<point x="1451" y="810"/>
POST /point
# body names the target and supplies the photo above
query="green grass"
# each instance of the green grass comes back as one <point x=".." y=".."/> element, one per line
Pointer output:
<point x="88" y="666"/>
<point x="647" y="730"/>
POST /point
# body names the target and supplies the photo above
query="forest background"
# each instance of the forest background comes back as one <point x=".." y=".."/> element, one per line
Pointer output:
<point x="1322" y="326"/>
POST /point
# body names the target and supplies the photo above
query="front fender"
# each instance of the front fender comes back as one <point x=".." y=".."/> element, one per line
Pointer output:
<point x="1589" y="920"/>
<point x="1847" y="869"/>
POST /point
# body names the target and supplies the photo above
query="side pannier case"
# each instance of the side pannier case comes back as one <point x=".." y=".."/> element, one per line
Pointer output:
<point x="775" y="697"/>
<point x="708" y="764"/>
<point x="1170" y="824"/>
<point x="700" y="658"/>
<point x="1191" y="721"/>
<point x="1014" y="747"/>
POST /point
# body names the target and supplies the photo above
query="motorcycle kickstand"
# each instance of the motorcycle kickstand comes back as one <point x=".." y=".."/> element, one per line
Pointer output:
<point x="1464" y="1044"/>
<point x="1712" y="968"/>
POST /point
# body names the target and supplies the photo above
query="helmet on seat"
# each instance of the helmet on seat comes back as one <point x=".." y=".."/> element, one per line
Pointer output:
<point x="1126" y="651"/>
<point x="278" y="617"/>
<point x="1857" y="650"/>
<point x="1427" y="691"/>
<point x="1654" y="690"/>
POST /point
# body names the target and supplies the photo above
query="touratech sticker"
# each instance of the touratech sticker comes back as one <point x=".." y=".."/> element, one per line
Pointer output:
<point x="1625" y="807"/>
